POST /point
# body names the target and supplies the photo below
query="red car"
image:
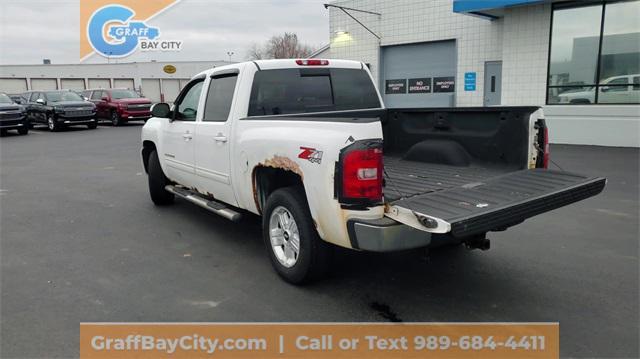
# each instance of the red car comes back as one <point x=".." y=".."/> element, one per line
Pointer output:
<point x="119" y="105"/>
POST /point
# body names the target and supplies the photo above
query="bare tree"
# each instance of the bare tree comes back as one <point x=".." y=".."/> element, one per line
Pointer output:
<point x="286" y="46"/>
<point x="255" y="52"/>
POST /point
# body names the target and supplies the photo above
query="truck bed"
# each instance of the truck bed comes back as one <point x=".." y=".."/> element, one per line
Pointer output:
<point x="405" y="179"/>
<point x="465" y="170"/>
<point x="478" y="199"/>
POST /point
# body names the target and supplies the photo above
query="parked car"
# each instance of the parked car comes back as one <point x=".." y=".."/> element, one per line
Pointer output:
<point x="309" y="146"/>
<point x="59" y="109"/>
<point x="13" y="116"/>
<point x="119" y="105"/>
<point x="617" y="89"/>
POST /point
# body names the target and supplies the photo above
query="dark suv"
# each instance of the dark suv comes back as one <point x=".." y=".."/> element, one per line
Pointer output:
<point x="59" y="109"/>
<point x="12" y="116"/>
<point x="119" y="105"/>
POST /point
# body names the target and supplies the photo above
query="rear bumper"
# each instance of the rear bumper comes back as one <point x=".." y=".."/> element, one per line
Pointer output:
<point x="385" y="235"/>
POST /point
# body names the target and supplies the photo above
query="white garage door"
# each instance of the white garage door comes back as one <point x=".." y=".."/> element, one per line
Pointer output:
<point x="170" y="89"/>
<point x="419" y="75"/>
<point x="99" y="83"/>
<point x="13" y="85"/>
<point x="44" y="84"/>
<point x="151" y="89"/>
<point x="123" y="83"/>
<point x="183" y="82"/>
<point x="72" y="84"/>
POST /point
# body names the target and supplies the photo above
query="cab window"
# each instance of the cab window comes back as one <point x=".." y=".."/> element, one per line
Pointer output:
<point x="618" y="81"/>
<point x="219" y="98"/>
<point x="187" y="104"/>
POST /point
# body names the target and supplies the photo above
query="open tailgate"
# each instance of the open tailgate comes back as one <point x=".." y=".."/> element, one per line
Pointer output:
<point x="494" y="203"/>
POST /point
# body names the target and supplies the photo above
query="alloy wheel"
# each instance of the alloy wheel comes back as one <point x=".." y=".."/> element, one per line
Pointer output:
<point x="285" y="236"/>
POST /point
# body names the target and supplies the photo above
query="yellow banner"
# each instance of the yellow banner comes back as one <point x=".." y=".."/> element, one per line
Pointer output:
<point x="319" y="340"/>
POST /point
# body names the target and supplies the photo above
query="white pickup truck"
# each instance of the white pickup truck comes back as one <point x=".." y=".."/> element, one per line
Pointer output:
<point x="309" y="146"/>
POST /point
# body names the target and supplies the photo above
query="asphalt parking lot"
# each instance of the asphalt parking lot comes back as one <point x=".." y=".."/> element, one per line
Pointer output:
<point x="81" y="241"/>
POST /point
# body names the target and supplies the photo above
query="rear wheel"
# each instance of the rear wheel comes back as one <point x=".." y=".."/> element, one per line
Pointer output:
<point x="296" y="251"/>
<point x="115" y="119"/>
<point x="157" y="182"/>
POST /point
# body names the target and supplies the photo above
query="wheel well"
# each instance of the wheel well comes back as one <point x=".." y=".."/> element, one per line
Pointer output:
<point x="147" y="148"/>
<point x="268" y="179"/>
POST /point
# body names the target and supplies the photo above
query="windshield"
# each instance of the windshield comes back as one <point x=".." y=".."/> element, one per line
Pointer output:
<point x="57" y="96"/>
<point x="5" y="99"/>
<point x="118" y="94"/>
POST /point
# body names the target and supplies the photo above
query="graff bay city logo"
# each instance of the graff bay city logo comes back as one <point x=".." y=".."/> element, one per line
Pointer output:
<point x="116" y="29"/>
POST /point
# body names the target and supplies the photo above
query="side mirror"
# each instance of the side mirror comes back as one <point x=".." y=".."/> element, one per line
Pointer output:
<point x="161" y="110"/>
<point x="19" y="102"/>
<point x="85" y="98"/>
<point x="105" y="98"/>
<point x="41" y="101"/>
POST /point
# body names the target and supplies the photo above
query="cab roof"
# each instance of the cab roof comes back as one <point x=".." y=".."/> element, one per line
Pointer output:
<point x="288" y="64"/>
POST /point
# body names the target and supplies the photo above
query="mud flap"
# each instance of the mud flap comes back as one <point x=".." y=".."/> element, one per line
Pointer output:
<point x="495" y="203"/>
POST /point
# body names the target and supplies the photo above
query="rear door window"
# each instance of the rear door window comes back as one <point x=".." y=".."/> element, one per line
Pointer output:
<point x="290" y="91"/>
<point x="219" y="98"/>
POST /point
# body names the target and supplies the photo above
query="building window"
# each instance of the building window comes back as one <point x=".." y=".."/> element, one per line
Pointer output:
<point x="595" y="53"/>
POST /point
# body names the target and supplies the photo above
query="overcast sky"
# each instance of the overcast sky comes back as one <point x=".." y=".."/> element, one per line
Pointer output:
<point x="31" y="30"/>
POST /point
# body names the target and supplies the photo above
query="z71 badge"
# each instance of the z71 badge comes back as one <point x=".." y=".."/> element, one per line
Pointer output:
<point x="310" y="154"/>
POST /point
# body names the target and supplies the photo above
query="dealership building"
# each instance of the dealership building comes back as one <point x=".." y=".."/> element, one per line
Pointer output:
<point x="159" y="81"/>
<point x="580" y="60"/>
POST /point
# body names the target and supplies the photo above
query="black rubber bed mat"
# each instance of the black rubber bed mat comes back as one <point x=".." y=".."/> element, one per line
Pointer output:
<point x="404" y="179"/>
<point x="479" y="202"/>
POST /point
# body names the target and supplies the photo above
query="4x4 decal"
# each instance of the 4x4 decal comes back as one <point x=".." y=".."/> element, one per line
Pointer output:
<point x="310" y="154"/>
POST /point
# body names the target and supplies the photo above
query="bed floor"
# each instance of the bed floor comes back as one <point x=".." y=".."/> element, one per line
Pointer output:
<point x="404" y="179"/>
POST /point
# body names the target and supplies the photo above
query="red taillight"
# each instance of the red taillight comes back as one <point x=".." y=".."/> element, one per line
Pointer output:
<point x="545" y="160"/>
<point x="362" y="175"/>
<point x="312" y="62"/>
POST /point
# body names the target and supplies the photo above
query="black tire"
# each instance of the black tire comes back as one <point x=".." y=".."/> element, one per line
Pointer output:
<point x="52" y="124"/>
<point x="115" y="118"/>
<point x="92" y="126"/>
<point x="157" y="182"/>
<point x="23" y="130"/>
<point x="314" y="253"/>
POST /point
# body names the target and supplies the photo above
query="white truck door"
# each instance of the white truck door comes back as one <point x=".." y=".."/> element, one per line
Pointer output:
<point x="179" y="136"/>
<point x="213" y="142"/>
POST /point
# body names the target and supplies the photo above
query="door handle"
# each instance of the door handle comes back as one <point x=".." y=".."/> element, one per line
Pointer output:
<point x="220" y="138"/>
<point x="187" y="136"/>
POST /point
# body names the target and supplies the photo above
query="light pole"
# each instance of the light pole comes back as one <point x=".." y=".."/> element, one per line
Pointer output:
<point x="230" y="53"/>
